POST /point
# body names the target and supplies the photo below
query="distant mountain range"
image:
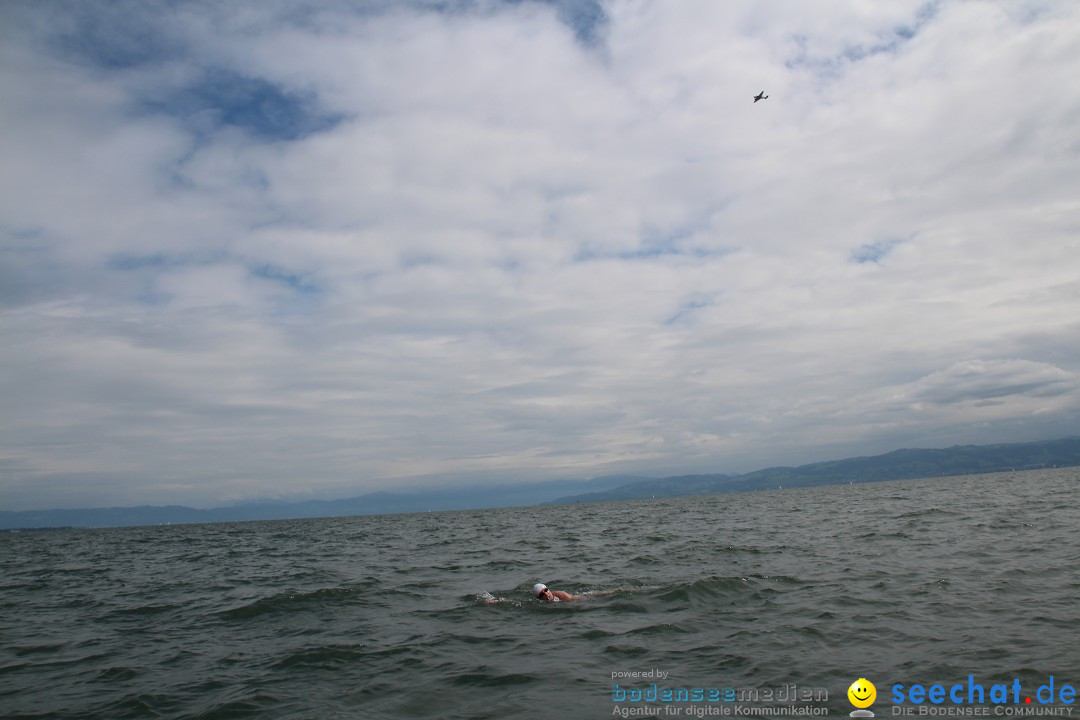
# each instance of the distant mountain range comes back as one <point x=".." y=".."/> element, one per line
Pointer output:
<point x="377" y="503"/>
<point x="896" y="465"/>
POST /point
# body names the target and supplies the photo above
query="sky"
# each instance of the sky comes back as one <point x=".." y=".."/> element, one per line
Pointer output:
<point x="257" y="250"/>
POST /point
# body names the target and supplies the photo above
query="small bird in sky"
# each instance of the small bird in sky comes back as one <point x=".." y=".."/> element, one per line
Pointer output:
<point x="761" y="96"/>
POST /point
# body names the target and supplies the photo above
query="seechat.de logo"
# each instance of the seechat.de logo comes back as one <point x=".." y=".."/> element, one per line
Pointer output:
<point x="862" y="694"/>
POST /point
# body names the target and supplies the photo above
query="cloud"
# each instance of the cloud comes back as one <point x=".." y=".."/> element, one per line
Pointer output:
<point x="977" y="381"/>
<point x="249" y="250"/>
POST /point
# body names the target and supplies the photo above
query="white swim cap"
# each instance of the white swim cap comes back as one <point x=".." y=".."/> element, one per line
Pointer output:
<point x="539" y="588"/>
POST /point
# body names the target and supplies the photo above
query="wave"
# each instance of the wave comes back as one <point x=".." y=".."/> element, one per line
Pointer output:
<point x="711" y="588"/>
<point x="326" y="657"/>
<point x="294" y="602"/>
<point x="492" y="680"/>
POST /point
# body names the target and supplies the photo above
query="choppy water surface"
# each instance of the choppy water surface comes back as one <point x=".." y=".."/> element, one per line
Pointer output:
<point x="383" y="617"/>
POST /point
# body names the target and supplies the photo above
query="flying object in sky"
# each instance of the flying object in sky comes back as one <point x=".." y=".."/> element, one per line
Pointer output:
<point x="761" y="96"/>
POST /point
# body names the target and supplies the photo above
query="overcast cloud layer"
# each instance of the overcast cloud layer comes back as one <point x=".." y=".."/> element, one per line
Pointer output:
<point x="260" y="249"/>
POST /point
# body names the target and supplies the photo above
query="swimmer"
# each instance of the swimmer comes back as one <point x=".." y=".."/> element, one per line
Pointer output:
<point x="540" y="590"/>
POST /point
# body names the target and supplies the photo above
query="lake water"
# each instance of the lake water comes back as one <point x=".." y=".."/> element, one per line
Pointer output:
<point x="927" y="581"/>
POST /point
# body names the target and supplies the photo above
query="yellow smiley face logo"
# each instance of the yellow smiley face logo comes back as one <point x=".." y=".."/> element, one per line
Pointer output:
<point x="862" y="693"/>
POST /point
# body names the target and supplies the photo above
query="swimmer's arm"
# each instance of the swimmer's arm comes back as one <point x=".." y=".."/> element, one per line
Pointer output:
<point x="565" y="595"/>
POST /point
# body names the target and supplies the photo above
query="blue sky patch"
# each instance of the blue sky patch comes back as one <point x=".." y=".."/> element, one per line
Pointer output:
<point x="115" y="36"/>
<point x="888" y="43"/>
<point x="585" y="17"/>
<point x="127" y="261"/>
<point x="876" y="251"/>
<point x="293" y="281"/>
<point x="222" y="98"/>
<point x="688" y="308"/>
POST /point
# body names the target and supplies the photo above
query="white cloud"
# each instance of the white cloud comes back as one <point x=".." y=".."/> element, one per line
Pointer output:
<point x="263" y="254"/>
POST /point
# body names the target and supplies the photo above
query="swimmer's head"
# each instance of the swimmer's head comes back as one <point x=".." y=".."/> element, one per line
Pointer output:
<point x="539" y="589"/>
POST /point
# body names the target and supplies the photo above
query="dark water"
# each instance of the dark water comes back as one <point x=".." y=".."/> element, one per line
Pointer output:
<point x="382" y="617"/>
